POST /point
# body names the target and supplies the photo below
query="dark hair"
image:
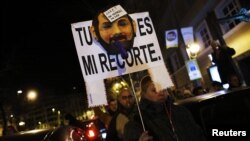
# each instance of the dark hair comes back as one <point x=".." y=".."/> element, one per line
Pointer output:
<point x="198" y="91"/>
<point x="146" y="80"/>
<point x="231" y="76"/>
<point x="216" y="83"/>
<point x="95" y="21"/>
<point x="111" y="100"/>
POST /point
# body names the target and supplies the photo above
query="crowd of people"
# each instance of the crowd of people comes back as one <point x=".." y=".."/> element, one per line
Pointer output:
<point x="161" y="120"/>
<point x="188" y="91"/>
<point x="158" y="118"/>
<point x="154" y="117"/>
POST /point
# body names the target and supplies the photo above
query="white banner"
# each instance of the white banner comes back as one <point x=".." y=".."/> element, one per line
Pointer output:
<point x="97" y="65"/>
<point x="171" y="38"/>
<point x="187" y="34"/>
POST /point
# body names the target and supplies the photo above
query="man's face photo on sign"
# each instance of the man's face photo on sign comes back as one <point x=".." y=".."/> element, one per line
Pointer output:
<point x="116" y="37"/>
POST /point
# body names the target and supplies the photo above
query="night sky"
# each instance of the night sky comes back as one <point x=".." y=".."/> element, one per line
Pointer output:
<point x="38" y="48"/>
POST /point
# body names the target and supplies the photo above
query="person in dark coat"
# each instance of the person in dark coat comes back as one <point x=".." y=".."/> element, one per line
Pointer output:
<point x="234" y="82"/>
<point x="125" y="103"/>
<point x="222" y="57"/>
<point x="216" y="86"/>
<point x="162" y="120"/>
<point x="106" y="117"/>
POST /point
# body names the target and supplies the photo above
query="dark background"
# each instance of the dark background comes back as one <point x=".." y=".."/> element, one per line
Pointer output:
<point x="38" y="48"/>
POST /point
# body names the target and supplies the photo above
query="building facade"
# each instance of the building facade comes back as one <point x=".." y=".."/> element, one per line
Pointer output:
<point x="194" y="13"/>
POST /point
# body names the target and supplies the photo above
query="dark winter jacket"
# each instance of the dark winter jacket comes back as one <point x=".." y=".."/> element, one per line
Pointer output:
<point x="223" y="59"/>
<point x="157" y="123"/>
<point x="118" y="122"/>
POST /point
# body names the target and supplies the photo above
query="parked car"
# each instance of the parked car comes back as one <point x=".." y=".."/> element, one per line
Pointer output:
<point x="95" y="130"/>
<point x="224" y="110"/>
<point x="62" y="133"/>
<point x="91" y="130"/>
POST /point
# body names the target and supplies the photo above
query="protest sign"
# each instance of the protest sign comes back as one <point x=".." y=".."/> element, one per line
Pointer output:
<point x="97" y="65"/>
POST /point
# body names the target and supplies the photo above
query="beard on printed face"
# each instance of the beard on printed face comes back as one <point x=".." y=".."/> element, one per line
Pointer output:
<point x="118" y="40"/>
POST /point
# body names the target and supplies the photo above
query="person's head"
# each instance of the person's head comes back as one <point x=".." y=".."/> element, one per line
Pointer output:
<point x="125" y="98"/>
<point x="216" y="86"/>
<point x="198" y="91"/>
<point x="112" y="105"/>
<point x="214" y="45"/>
<point x="187" y="93"/>
<point x="149" y="92"/>
<point x="234" y="81"/>
<point x="108" y="34"/>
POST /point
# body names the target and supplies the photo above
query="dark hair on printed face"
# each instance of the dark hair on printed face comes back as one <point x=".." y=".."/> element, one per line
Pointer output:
<point x="95" y="21"/>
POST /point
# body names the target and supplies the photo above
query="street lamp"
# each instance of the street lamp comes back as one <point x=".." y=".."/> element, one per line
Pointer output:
<point x="53" y="110"/>
<point x="32" y="95"/>
<point x="58" y="117"/>
<point x="19" y="92"/>
<point x="193" y="49"/>
<point x="192" y="65"/>
<point x="21" y="123"/>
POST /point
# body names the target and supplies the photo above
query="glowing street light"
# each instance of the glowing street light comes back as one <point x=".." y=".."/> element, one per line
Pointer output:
<point x="32" y="95"/>
<point x="58" y="117"/>
<point x="19" y="92"/>
<point x="194" y="48"/>
<point x="21" y="123"/>
<point x="53" y="110"/>
<point x="39" y="122"/>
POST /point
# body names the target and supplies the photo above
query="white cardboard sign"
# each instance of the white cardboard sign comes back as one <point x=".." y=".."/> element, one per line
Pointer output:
<point x="97" y="65"/>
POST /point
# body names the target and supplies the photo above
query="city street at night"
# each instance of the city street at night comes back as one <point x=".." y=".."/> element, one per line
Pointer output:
<point x="102" y="70"/>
